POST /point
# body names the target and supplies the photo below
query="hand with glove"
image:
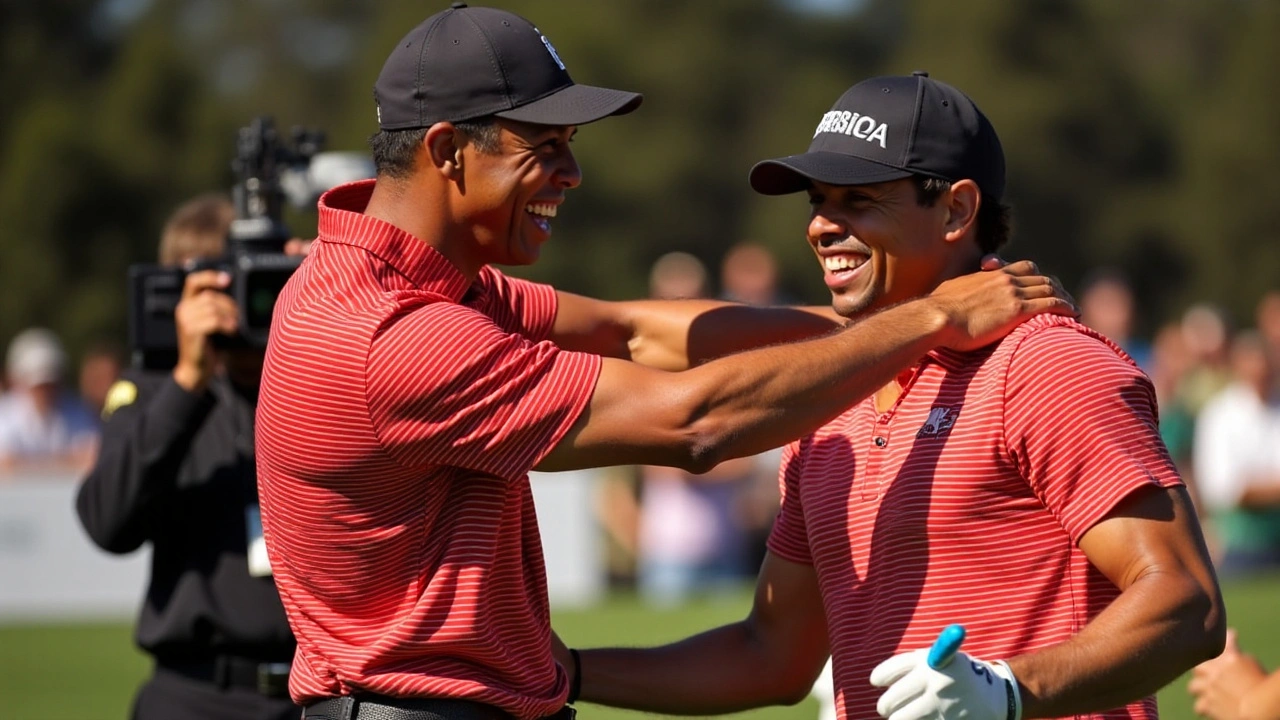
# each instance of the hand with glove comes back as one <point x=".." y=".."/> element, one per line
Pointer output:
<point x="942" y="683"/>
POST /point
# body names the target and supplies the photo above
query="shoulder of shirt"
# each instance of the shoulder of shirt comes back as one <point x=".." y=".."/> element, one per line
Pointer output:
<point x="1051" y="334"/>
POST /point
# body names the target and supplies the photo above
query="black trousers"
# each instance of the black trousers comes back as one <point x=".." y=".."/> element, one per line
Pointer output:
<point x="169" y="696"/>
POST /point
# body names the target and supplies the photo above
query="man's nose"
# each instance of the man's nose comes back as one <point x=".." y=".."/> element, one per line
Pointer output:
<point x="823" y="229"/>
<point x="569" y="174"/>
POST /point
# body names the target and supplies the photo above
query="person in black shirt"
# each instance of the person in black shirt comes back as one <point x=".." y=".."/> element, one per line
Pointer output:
<point x="176" y="469"/>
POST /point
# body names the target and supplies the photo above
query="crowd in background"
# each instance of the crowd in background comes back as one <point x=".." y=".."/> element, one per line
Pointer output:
<point x="673" y="535"/>
<point x="49" y="410"/>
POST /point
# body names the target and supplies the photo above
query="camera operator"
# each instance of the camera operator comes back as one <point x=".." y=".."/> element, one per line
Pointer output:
<point x="176" y="469"/>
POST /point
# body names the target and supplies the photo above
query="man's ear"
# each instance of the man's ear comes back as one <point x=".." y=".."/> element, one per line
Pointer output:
<point x="963" y="201"/>
<point x="443" y="144"/>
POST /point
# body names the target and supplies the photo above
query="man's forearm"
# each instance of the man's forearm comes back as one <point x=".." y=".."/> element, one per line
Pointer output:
<point x="764" y="398"/>
<point x="1158" y="628"/>
<point x="679" y="334"/>
<point x="719" y="671"/>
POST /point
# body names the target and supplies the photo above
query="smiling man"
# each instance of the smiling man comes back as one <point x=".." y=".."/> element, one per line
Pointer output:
<point x="1019" y="489"/>
<point x="410" y="386"/>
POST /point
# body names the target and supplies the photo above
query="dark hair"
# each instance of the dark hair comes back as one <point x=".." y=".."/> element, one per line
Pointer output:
<point x="394" y="150"/>
<point x="197" y="230"/>
<point x="481" y="132"/>
<point x="994" y="217"/>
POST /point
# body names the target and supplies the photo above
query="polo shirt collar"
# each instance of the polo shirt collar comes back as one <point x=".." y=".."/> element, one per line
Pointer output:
<point x="342" y="220"/>
<point x="949" y="359"/>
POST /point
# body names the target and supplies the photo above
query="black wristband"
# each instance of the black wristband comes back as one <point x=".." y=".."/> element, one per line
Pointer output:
<point x="1009" y="693"/>
<point x="575" y="684"/>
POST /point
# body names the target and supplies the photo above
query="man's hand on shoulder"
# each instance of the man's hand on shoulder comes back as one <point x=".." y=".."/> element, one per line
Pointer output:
<point x="983" y="307"/>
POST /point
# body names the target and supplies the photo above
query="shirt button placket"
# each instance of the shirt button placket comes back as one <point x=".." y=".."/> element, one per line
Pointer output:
<point x="870" y="485"/>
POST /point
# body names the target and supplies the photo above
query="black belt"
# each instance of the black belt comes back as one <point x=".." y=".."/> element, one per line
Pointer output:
<point x="375" y="707"/>
<point x="230" y="671"/>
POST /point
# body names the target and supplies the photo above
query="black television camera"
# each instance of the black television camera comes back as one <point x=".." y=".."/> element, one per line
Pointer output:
<point x="254" y="257"/>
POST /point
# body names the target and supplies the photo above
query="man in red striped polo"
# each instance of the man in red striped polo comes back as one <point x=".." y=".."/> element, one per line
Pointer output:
<point x="409" y="387"/>
<point x="1019" y="489"/>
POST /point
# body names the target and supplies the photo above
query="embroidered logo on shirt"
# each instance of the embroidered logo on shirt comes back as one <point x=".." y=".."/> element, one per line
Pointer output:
<point x="939" y="423"/>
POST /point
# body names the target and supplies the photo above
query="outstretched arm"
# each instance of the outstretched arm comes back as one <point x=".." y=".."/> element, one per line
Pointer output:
<point x="679" y="334"/>
<point x="752" y="401"/>
<point x="772" y="657"/>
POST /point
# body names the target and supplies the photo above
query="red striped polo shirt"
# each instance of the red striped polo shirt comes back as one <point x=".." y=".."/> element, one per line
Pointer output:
<point x="965" y="502"/>
<point x="402" y="407"/>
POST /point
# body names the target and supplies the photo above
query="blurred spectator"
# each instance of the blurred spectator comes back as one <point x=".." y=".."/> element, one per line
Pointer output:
<point x="617" y="509"/>
<point x="1235" y="686"/>
<point x="689" y="536"/>
<point x="42" y="426"/>
<point x="749" y="274"/>
<point x="1237" y="460"/>
<point x="1170" y="362"/>
<point x="1204" y="330"/>
<point x="1268" y="319"/>
<point x="677" y="276"/>
<point x="99" y="369"/>
<point x="1106" y="305"/>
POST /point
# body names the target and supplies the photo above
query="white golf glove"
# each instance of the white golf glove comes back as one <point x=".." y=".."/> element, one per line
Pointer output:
<point x="965" y="689"/>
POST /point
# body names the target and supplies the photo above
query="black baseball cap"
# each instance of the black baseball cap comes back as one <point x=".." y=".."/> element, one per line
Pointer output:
<point x="888" y="128"/>
<point x="468" y="62"/>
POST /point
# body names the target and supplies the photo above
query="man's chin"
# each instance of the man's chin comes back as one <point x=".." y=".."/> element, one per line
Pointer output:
<point x="851" y="307"/>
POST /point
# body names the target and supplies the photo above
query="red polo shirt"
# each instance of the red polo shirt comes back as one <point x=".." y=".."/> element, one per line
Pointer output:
<point x="401" y="409"/>
<point x="965" y="502"/>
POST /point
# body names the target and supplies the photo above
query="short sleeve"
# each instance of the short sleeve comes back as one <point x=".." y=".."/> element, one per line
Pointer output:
<point x="789" y="538"/>
<point x="448" y="387"/>
<point x="1081" y="425"/>
<point x="518" y="306"/>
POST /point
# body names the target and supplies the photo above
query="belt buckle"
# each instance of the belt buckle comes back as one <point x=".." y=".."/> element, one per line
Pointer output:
<point x="273" y="679"/>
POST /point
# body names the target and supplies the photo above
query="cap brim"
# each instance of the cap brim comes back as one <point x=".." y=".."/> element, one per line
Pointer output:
<point x="575" y="105"/>
<point x="792" y="174"/>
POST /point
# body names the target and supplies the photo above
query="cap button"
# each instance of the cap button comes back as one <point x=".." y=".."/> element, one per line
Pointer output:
<point x="458" y="5"/>
<point x="920" y="73"/>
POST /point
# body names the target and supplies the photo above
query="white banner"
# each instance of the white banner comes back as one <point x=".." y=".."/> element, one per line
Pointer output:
<point x="49" y="569"/>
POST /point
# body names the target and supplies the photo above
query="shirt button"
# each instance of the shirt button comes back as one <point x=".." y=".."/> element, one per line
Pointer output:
<point x="881" y="442"/>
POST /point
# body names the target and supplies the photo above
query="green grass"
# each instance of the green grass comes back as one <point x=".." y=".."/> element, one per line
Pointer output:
<point x="69" y="672"/>
<point x="90" y="671"/>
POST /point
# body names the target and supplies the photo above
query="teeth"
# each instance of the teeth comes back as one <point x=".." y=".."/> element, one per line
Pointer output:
<point x="543" y="209"/>
<point x="835" y="263"/>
